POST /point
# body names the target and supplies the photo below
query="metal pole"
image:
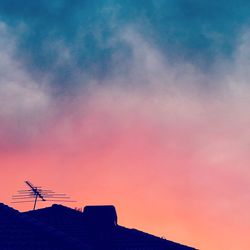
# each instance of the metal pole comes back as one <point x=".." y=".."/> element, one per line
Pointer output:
<point x="35" y="202"/>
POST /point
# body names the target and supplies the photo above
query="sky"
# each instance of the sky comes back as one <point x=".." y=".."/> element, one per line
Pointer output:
<point x="140" y="104"/>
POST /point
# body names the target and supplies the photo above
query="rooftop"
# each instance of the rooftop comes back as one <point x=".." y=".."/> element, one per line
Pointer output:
<point x="97" y="226"/>
<point x="59" y="227"/>
<point x="19" y="231"/>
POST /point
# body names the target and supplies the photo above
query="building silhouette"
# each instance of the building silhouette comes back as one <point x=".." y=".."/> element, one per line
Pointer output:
<point x="59" y="227"/>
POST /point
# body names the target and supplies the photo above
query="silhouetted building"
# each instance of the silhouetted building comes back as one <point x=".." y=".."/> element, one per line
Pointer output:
<point x="21" y="232"/>
<point x="60" y="227"/>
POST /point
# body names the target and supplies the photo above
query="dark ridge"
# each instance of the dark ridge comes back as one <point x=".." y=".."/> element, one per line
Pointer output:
<point x="19" y="231"/>
<point x="97" y="228"/>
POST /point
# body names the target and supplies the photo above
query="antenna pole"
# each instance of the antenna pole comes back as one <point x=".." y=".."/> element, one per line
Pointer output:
<point x="35" y="202"/>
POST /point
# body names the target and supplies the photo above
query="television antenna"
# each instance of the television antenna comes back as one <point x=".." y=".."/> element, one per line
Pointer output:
<point x="37" y="193"/>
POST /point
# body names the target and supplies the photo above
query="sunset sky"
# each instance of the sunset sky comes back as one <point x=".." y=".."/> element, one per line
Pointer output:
<point x="138" y="103"/>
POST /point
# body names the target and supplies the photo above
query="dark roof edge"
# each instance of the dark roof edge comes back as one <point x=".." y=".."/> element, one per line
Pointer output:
<point x="157" y="237"/>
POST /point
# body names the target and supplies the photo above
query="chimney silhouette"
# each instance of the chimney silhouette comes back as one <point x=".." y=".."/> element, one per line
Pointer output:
<point x="102" y="217"/>
<point x="101" y="222"/>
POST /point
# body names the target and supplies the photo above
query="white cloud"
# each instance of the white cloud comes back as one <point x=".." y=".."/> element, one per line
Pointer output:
<point x="21" y="97"/>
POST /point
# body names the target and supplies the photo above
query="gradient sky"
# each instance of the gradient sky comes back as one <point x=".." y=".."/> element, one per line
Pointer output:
<point x="138" y="103"/>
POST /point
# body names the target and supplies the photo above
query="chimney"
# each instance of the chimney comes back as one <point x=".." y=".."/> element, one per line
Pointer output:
<point x="101" y="217"/>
